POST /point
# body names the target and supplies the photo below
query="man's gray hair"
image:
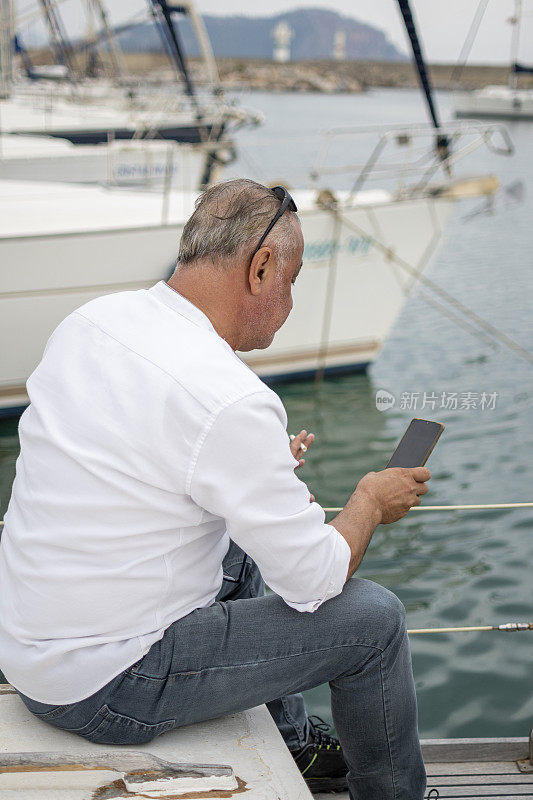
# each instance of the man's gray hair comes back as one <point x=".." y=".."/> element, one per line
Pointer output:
<point x="231" y="217"/>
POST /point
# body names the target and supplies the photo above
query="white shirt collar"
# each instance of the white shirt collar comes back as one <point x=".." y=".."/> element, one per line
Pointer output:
<point x="177" y="302"/>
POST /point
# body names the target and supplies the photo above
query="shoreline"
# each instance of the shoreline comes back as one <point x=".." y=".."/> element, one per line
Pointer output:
<point x="352" y="76"/>
<point x="328" y="77"/>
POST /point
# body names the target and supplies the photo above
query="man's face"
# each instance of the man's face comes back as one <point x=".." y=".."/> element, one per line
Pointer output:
<point x="271" y="308"/>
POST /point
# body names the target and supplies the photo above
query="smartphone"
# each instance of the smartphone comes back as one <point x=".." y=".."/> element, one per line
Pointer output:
<point x="416" y="444"/>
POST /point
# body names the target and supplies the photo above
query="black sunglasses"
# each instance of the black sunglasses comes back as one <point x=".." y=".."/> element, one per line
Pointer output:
<point x="286" y="203"/>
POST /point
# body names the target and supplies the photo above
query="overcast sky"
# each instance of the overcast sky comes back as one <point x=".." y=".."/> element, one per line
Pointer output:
<point x="442" y="24"/>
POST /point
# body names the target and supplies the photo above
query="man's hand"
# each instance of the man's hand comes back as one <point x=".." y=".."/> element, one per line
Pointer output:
<point x="380" y="497"/>
<point x="305" y="439"/>
<point x="394" y="491"/>
<point x="300" y="445"/>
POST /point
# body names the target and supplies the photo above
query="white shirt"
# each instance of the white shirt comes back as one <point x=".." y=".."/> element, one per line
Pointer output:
<point x="148" y="443"/>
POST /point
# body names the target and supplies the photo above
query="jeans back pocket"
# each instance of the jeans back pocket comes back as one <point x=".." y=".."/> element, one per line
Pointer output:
<point x="109" y="727"/>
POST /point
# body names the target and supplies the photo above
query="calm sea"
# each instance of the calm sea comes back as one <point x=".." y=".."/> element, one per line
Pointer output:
<point x="453" y="568"/>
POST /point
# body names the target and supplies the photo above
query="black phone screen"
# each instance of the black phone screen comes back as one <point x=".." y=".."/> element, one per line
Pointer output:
<point x="416" y="444"/>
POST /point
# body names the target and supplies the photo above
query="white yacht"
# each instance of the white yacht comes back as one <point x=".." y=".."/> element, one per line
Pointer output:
<point x="64" y="244"/>
<point x="140" y="163"/>
<point x="500" y="102"/>
<point x="494" y="102"/>
<point x="67" y="105"/>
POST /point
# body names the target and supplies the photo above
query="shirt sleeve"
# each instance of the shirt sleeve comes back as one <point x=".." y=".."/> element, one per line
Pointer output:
<point x="244" y="473"/>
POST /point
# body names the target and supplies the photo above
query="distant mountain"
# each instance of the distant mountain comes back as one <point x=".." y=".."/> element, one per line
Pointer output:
<point x="313" y="35"/>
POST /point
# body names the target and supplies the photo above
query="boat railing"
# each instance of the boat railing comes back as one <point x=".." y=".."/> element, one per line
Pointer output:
<point x="410" y="155"/>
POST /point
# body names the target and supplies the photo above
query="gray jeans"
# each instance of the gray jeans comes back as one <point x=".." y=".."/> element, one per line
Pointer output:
<point x="250" y="648"/>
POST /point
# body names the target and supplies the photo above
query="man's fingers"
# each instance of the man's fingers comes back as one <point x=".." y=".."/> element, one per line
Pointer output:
<point x="302" y="436"/>
<point x="421" y="474"/>
<point x="422" y="489"/>
<point x="303" y="441"/>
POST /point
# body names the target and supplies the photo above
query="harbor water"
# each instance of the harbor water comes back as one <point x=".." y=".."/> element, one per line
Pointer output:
<point x="451" y="568"/>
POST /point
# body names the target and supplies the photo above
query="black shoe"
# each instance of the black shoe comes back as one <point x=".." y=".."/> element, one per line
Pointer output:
<point x="321" y="761"/>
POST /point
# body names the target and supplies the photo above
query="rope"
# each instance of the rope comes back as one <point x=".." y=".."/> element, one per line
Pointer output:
<point x="459" y="307"/>
<point x="323" y="348"/>
<point x="476" y="507"/>
<point x="456" y="319"/>
<point x="469" y="41"/>
<point x="507" y="627"/>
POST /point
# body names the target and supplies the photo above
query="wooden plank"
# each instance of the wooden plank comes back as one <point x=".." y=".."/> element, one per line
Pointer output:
<point x="492" y="780"/>
<point x="480" y="791"/>
<point x="442" y="796"/>
<point x="489" y="780"/>
<point x="472" y="768"/>
<point x="451" y="750"/>
<point x="479" y="780"/>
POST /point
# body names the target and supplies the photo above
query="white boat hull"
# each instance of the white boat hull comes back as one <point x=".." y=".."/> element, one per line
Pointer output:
<point x="344" y="304"/>
<point x="41" y="762"/>
<point x="86" y="123"/>
<point x="494" y="102"/>
<point x="143" y="164"/>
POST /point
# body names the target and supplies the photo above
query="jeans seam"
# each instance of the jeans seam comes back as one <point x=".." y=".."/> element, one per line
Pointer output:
<point x="253" y="663"/>
<point x="292" y="721"/>
<point x="227" y="565"/>
<point x="387" y="726"/>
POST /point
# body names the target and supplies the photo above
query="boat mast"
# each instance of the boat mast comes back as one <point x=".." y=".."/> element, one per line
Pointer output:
<point x="162" y="13"/>
<point x="58" y="38"/>
<point x="515" y="40"/>
<point x="114" y="51"/>
<point x="205" y="45"/>
<point x="6" y="47"/>
<point x="442" y="143"/>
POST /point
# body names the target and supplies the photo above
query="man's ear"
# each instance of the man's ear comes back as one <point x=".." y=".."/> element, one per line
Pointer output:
<point x="260" y="269"/>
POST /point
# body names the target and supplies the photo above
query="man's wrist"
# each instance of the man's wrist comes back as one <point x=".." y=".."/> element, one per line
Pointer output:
<point x="368" y="504"/>
<point x="356" y="523"/>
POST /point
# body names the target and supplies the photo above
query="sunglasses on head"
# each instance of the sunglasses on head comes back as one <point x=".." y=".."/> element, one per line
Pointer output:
<point x="286" y="203"/>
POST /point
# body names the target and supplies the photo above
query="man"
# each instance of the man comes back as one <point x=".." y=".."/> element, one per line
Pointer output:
<point x="149" y="445"/>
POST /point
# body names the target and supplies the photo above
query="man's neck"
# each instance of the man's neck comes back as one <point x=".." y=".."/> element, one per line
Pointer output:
<point x="204" y="288"/>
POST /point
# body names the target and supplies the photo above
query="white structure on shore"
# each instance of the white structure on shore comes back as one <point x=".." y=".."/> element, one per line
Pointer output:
<point x="282" y="35"/>
<point x="339" y="46"/>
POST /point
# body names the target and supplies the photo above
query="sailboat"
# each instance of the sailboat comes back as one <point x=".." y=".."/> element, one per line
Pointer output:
<point x="63" y="244"/>
<point x="501" y="102"/>
<point x="117" y="106"/>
